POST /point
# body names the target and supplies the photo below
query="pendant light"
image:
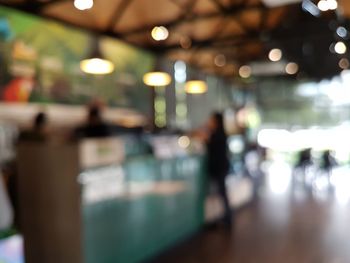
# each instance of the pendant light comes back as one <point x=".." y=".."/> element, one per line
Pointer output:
<point x="96" y="63"/>
<point x="157" y="79"/>
<point x="196" y="87"/>
<point x="196" y="84"/>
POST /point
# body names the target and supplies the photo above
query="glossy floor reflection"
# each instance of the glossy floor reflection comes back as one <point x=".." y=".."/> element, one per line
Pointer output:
<point x="297" y="219"/>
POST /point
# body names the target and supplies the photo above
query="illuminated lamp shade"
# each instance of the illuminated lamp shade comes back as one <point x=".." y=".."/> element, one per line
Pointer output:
<point x="95" y="63"/>
<point x="157" y="79"/>
<point x="196" y="87"/>
<point x="159" y="33"/>
<point x="83" y="4"/>
<point x="97" y="66"/>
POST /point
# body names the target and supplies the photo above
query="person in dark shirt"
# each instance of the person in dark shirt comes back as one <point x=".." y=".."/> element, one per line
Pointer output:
<point x="328" y="162"/>
<point x="95" y="126"/>
<point x="39" y="130"/>
<point x="218" y="162"/>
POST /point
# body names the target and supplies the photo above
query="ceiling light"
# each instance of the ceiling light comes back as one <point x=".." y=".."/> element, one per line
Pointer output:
<point x="342" y="32"/>
<point x="83" y="4"/>
<point x="292" y="68"/>
<point x="157" y="79"/>
<point x="245" y="71"/>
<point x="332" y="4"/>
<point x="96" y="63"/>
<point x="196" y="87"/>
<point x="323" y="5"/>
<point x="275" y="55"/>
<point x="96" y="66"/>
<point x="340" y="48"/>
<point x="159" y="33"/>
<point x="220" y="60"/>
<point x="344" y="63"/>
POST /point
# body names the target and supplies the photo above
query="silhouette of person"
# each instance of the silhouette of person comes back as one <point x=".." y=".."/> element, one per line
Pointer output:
<point x="218" y="162"/>
<point x="39" y="130"/>
<point x="95" y="126"/>
<point x="327" y="163"/>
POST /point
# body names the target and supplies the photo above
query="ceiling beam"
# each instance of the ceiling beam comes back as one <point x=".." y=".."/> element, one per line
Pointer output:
<point x="219" y="5"/>
<point x="187" y="14"/>
<point x="242" y="39"/>
<point x="210" y="42"/>
<point x="178" y="4"/>
<point x="232" y="11"/>
<point x="31" y="6"/>
<point x="118" y="13"/>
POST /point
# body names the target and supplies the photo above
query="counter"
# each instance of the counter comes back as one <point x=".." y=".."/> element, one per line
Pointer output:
<point x="112" y="200"/>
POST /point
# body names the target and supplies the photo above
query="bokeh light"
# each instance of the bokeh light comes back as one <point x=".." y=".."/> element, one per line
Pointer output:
<point x="340" y="47"/>
<point x="157" y="79"/>
<point x="160" y="33"/>
<point x="83" y="4"/>
<point x="292" y="68"/>
<point x="97" y="66"/>
<point x="275" y="55"/>
<point x="245" y="71"/>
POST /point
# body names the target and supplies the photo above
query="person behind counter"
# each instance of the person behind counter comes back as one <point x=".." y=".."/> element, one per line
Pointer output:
<point x="95" y="126"/>
<point x="39" y="130"/>
<point x="218" y="162"/>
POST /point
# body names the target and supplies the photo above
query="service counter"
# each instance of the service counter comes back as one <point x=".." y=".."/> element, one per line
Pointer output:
<point x="111" y="200"/>
<point x="135" y="210"/>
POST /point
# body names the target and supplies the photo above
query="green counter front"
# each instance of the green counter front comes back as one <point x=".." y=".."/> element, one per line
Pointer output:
<point x="106" y="201"/>
<point x="160" y="203"/>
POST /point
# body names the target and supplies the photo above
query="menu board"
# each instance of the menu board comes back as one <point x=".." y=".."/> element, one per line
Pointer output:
<point x="101" y="152"/>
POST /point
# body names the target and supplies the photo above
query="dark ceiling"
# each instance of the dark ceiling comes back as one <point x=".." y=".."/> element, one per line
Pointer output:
<point x="241" y="31"/>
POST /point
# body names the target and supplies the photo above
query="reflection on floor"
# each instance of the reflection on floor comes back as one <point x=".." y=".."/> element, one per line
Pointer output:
<point x="299" y="218"/>
<point x="11" y="250"/>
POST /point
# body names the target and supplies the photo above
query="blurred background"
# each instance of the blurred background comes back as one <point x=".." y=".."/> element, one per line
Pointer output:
<point x="149" y="74"/>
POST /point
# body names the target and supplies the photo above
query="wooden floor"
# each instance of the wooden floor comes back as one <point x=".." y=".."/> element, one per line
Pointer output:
<point x="298" y="224"/>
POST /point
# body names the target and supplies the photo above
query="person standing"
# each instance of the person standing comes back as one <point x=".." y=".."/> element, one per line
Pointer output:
<point x="95" y="126"/>
<point x="39" y="130"/>
<point x="218" y="162"/>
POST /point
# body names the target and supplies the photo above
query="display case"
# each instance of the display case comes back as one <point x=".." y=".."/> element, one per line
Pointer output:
<point x="105" y="201"/>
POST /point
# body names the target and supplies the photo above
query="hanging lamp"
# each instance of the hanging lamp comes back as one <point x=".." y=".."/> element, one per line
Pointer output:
<point x="195" y="84"/>
<point x="196" y="87"/>
<point x="96" y="63"/>
<point x="157" y="79"/>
